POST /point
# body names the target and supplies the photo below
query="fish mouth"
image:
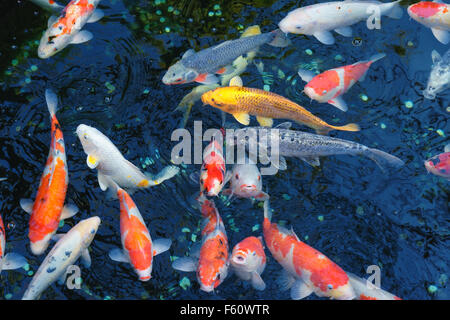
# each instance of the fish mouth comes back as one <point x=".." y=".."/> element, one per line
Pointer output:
<point x="248" y="187"/>
<point x="239" y="259"/>
<point x="428" y="95"/>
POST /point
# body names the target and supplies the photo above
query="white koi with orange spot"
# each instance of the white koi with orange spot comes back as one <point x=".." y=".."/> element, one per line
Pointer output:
<point x="212" y="173"/>
<point x="329" y="86"/>
<point x="66" y="28"/>
<point x="306" y="270"/>
<point x="103" y="155"/>
<point x="49" y="5"/>
<point x="434" y="15"/>
<point x="138" y="249"/>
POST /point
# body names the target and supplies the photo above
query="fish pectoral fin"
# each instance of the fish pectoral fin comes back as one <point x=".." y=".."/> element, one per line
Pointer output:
<point x="262" y="196"/>
<point x="207" y="78"/>
<point x="26" y="205"/>
<point x="285" y="125"/>
<point x="442" y="36"/>
<point x="82" y="36"/>
<point x="86" y="258"/>
<point x="161" y="245"/>
<point x="165" y="174"/>
<point x="13" y="261"/>
<point x="324" y="37"/>
<point x="339" y="103"/>
<point x="51" y="21"/>
<point x="236" y="82"/>
<point x="257" y="281"/>
<point x="313" y="161"/>
<point x="306" y="75"/>
<point x="344" y="31"/>
<point x="300" y="290"/>
<point x="195" y="250"/>
<point x="58" y="236"/>
<point x="102" y="181"/>
<point x="242" y="118"/>
<point x="225" y="70"/>
<point x="69" y="211"/>
<point x="265" y="122"/>
<point x="91" y="161"/>
<point x="285" y="280"/>
<point x="95" y="16"/>
<point x="185" y="264"/>
<point x="447" y="148"/>
<point x="188" y="53"/>
<point x="118" y="255"/>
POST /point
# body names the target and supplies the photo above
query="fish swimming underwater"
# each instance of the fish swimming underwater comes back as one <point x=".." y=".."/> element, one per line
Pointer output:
<point x="49" y="5"/>
<point x="306" y="270"/>
<point x="64" y="254"/>
<point x="103" y="155"/>
<point x="309" y="147"/>
<point x="201" y="66"/>
<point x="48" y="208"/>
<point x="210" y="260"/>
<point x="212" y="173"/>
<point x="138" y="247"/>
<point x="248" y="261"/>
<point x="246" y="181"/>
<point x="439" y="165"/>
<point x="66" y="29"/>
<point x="11" y="260"/>
<point x="319" y="19"/>
<point x="434" y="15"/>
<point x="439" y="79"/>
<point x="242" y="102"/>
<point x="365" y="291"/>
<point x="329" y="86"/>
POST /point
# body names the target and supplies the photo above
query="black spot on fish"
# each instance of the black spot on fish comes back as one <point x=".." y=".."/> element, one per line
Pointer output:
<point x="68" y="253"/>
<point x="435" y="160"/>
<point x="92" y="231"/>
<point x="50" y="270"/>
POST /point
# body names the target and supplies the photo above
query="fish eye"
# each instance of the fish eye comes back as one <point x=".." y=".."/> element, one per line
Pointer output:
<point x="237" y="176"/>
<point x="240" y="258"/>
<point x="330" y="286"/>
<point x="259" y="178"/>
<point x="218" y="277"/>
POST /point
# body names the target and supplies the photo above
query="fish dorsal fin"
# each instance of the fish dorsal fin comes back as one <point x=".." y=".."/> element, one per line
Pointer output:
<point x="222" y="44"/>
<point x="435" y="57"/>
<point x="285" y="125"/>
<point x="236" y="82"/>
<point x="188" y="53"/>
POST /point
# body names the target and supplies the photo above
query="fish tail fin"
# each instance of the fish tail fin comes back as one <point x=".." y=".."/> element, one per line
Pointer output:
<point x="383" y="159"/>
<point x="267" y="211"/>
<point x="377" y="57"/>
<point x="347" y="127"/>
<point x="280" y="40"/>
<point x="165" y="174"/>
<point x="392" y="9"/>
<point x="251" y="31"/>
<point x="52" y="101"/>
<point x="112" y="186"/>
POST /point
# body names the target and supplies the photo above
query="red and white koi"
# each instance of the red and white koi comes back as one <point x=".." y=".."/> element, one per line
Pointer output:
<point x="11" y="260"/>
<point x="306" y="270"/>
<point x="367" y="291"/>
<point x="246" y="182"/>
<point x="48" y="208"/>
<point x="248" y="260"/>
<point x="434" y="15"/>
<point x="212" y="173"/>
<point x="330" y="85"/>
<point x="138" y="247"/>
<point x="66" y="29"/>
<point x="439" y="165"/>
<point x="210" y="260"/>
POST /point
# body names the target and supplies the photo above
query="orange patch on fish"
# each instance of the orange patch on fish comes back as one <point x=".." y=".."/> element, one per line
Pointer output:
<point x="324" y="82"/>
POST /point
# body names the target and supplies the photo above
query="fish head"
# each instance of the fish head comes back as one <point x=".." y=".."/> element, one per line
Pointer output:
<point x="213" y="261"/>
<point x="145" y="275"/>
<point x="343" y="292"/>
<point x="210" y="276"/>
<point x="211" y="182"/>
<point x="38" y="247"/>
<point x="178" y="74"/>
<point x="88" y="228"/>
<point x="322" y="87"/>
<point x="438" y="81"/>
<point x="91" y="139"/>
<point x="424" y="9"/>
<point x="439" y="165"/>
<point x="248" y="254"/>
<point x="297" y="21"/>
<point x="53" y="41"/>
<point x="223" y="98"/>
<point x="246" y="178"/>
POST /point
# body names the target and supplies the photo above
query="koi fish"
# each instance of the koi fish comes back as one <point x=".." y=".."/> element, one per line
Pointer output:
<point x="104" y="156"/>
<point x="242" y="102"/>
<point x="70" y="246"/>
<point x="306" y="270"/>
<point x="138" y="247"/>
<point x="319" y="19"/>
<point x="367" y="291"/>
<point x="246" y="181"/>
<point x="439" y="79"/>
<point x="309" y="147"/>
<point x="66" y="29"/>
<point x="439" y="165"/>
<point x="329" y="86"/>
<point x="210" y="260"/>
<point x="48" y="208"/>
<point x="434" y="15"/>
<point x="49" y="5"/>
<point x="239" y="66"/>
<point x="249" y="260"/>
<point x="212" y="173"/>
<point x="11" y="260"/>
<point x="210" y="215"/>
<point x="201" y="66"/>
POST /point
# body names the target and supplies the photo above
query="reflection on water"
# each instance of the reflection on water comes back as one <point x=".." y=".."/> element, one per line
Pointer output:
<point x="347" y="208"/>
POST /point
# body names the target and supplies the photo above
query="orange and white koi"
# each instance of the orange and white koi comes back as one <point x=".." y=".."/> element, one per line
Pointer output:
<point x="138" y="247"/>
<point x="11" y="260"/>
<point x="209" y="214"/>
<point x="439" y="165"/>
<point x="434" y="15"/>
<point x="66" y="29"/>
<point x="210" y="260"/>
<point x="330" y="85"/>
<point x="48" y="208"/>
<point x="367" y="291"/>
<point x="306" y="270"/>
<point x="248" y="260"/>
<point x="212" y="173"/>
<point x="49" y="5"/>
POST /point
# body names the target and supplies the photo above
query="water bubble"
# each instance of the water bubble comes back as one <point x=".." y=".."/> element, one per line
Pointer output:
<point x="357" y="42"/>
<point x="11" y="225"/>
<point x="409" y="104"/>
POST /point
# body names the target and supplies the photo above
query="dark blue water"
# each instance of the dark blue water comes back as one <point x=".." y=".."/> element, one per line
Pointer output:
<point x="348" y="208"/>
